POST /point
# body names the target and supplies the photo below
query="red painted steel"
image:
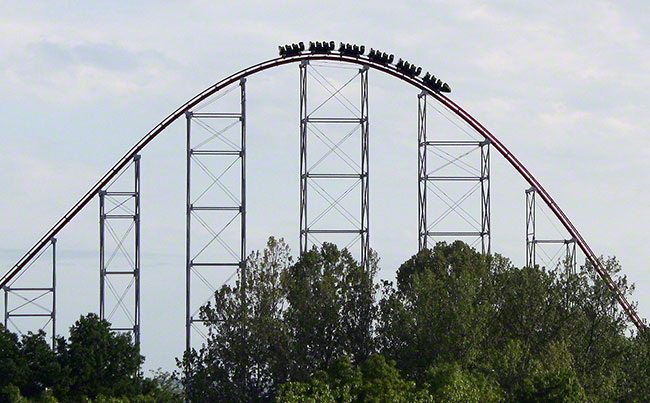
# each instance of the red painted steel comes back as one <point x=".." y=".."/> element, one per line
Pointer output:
<point x="334" y="56"/>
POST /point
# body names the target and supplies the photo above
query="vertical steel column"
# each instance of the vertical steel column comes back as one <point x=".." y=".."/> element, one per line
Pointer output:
<point x="6" y="315"/>
<point x="362" y="230"/>
<point x="30" y="302"/>
<point x="102" y="240"/>
<point x="422" y="172"/>
<point x="121" y="211"/>
<point x="570" y="257"/>
<point x="188" y="226"/>
<point x="530" y="227"/>
<point x="192" y="210"/>
<point x="486" y="244"/>
<point x="482" y="232"/>
<point x="53" y="293"/>
<point x="304" y="228"/>
<point x="365" y="172"/>
<point x="242" y="193"/>
<point x="136" y="270"/>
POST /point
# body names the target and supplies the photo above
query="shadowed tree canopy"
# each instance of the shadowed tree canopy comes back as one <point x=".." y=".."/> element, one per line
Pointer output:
<point x="293" y="319"/>
<point x="455" y="326"/>
<point x="94" y="364"/>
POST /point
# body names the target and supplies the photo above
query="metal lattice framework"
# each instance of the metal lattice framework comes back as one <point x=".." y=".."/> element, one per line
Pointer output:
<point x="570" y="260"/>
<point x="355" y="178"/>
<point x="433" y="160"/>
<point x="119" y="254"/>
<point x="30" y="298"/>
<point x="214" y="157"/>
<point x="381" y="64"/>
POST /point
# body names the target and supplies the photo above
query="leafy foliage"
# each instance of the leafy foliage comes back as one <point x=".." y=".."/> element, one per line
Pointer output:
<point x="94" y="364"/>
<point x="455" y="326"/>
<point x="375" y="380"/>
<point x="282" y="322"/>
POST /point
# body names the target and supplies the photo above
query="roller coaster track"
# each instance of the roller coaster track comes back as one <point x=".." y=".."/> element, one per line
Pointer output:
<point x="338" y="57"/>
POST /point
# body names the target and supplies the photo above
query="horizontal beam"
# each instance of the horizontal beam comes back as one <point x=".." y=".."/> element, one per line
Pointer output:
<point x="452" y="143"/>
<point x="237" y="153"/>
<point x="121" y="194"/>
<point x="333" y="231"/>
<point x="224" y="208"/>
<point x="334" y="176"/>
<point x="208" y="264"/>
<point x="455" y="178"/>
<point x="334" y="120"/>
<point x="215" y="115"/>
<point x="27" y="315"/>
<point x="455" y="233"/>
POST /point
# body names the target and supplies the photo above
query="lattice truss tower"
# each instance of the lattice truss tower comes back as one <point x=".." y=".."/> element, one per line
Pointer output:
<point x="547" y="244"/>
<point x="119" y="251"/>
<point x="334" y="157"/>
<point x="453" y="178"/>
<point x="215" y="201"/>
<point x="30" y="298"/>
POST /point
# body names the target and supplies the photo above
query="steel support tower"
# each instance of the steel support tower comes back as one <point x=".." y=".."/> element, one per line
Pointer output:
<point x="320" y="181"/>
<point x="119" y="262"/>
<point x="432" y="158"/>
<point x="570" y="257"/>
<point x="219" y="213"/>
<point x="29" y="299"/>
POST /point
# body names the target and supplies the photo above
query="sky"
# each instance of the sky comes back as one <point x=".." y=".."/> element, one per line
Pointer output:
<point x="564" y="86"/>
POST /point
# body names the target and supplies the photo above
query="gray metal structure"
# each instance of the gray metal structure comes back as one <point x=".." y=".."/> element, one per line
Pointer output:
<point x="383" y="64"/>
<point x="570" y="256"/>
<point x="116" y="207"/>
<point x="311" y="230"/>
<point x="234" y="207"/>
<point x="427" y="151"/>
<point x="30" y="305"/>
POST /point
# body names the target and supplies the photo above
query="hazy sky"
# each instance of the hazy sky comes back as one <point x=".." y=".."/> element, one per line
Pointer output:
<point x="565" y="87"/>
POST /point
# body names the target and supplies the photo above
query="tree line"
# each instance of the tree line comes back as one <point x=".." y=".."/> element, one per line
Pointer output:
<point x="94" y="364"/>
<point x="454" y="326"/>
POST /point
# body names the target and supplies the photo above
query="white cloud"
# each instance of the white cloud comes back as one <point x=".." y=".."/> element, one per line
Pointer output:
<point x="60" y="72"/>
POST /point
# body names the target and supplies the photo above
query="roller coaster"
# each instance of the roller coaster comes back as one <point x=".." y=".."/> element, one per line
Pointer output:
<point x="429" y="87"/>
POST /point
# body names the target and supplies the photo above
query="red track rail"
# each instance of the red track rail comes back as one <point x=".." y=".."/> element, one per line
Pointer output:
<point x="334" y="56"/>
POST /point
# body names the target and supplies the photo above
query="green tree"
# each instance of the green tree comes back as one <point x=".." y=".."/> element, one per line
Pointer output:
<point x="331" y="309"/>
<point x="374" y="380"/>
<point x="598" y="336"/>
<point x="440" y="309"/>
<point x="448" y="382"/>
<point x="101" y="361"/>
<point x="162" y="387"/>
<point x="456" y="326"/>
<point x="96" y="365"/>
<point x="43" y="369"/>
<point x="282" y="322"/>
<point x="538" y="310"/>
<point x="546" y="376"/>
<point x="636" y="362"/>
<point x="12" y="363"/>
<point x="247" y="351"/>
